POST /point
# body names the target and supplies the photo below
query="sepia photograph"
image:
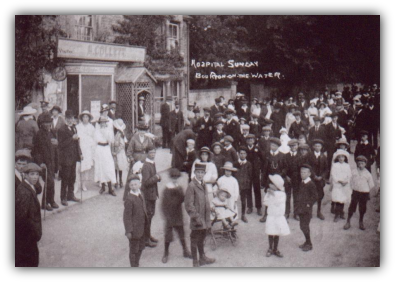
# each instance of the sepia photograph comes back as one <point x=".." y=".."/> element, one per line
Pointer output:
<point x="206" y="141"/>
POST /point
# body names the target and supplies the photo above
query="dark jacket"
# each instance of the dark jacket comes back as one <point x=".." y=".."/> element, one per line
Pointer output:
<point x="27" y="215"/>
<point x="217" y="137"/>
<point x="197" y="206"/>
<point x="135" y="216"/>
<point x="43" y="150"/>
<point x="367" y="151"/>
<point x="233" y="129"/>
<point x="172" y="199"/>
<point x="219" y="161"/>
<point x="254" y="157"/>
<point x="332" y="134"/>
<point x="255" y="128"/>
<point x="69" y="149"/>
<point x="204" y="133"/>
<point x="314" y="134"/>
<point x="179" y="147"/>
<point x="176" y="122"/>
<point x="278" y="122"/>
<point x="293" y="168"/>
<point x="38" y="186"/>
<point x="298" y="129"/>
<point x="150" y="180"/>
<point x="273" y="165"/>
<point x="320" y="168"/>
<point x="190" y="158"/>
<point x="243" y="175"/>
<point x="215" y="110"/>
<point x="264" y="146"/>
<point x="165" y="115"/>
<point x="230" y="155"/>
<point x="305" y="198"/>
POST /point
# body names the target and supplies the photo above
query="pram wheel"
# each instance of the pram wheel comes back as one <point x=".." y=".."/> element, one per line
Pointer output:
<point x="213" y="242"/>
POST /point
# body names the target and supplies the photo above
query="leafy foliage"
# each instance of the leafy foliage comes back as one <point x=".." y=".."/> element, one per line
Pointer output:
<point x="148" y="31"/>
<point x="35" y="46"/>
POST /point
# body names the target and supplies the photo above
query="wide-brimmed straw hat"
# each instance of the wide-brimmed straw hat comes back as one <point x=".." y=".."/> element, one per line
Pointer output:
<point x="278" y="181"/>
<point x="340" y="152"/>
<point x="27" y="111"/>
<point x="229" y="166"/>
<point x="85" y="113"/>
<point x="226" y="192"/>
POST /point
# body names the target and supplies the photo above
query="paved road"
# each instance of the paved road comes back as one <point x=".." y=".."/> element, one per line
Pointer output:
<point x="92" y="235"/>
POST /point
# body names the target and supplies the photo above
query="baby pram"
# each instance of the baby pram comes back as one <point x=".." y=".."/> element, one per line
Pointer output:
<point x="221" y="234"/>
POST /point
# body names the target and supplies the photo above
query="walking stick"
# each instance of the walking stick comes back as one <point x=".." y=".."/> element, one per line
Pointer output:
<point x="45" y="191"/>
<point x="81" y="182"/>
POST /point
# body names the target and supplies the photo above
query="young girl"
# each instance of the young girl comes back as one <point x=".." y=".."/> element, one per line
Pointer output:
<point x="276" y="224"/>
<point x="340" y="180"/>
<point x="229" y="183"/>
<point x="313" y="112"/>
<point x="222" y="211"/>
<point x="118" y="151"/>
<point x="172" y="199"/>
<point x="284" y="148"/>
<point x="324" y="113"/>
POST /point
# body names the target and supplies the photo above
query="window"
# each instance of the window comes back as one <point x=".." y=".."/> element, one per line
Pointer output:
<point x="85" y="28"/>
<point x="172" y="36"/>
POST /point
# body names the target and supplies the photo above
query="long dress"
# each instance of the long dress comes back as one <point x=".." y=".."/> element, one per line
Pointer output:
<point x="341" y="172"/>
<point x="104" y="162"/>
<point x="120" y="159"/>
<point x="231" y="185"/>
<point x="276" y="224"/>
<point x="84" y="169"/>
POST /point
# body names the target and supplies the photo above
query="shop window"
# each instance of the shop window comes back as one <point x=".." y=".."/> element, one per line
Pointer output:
<point x="173" y="31"/>
<point x="85" y="28"/>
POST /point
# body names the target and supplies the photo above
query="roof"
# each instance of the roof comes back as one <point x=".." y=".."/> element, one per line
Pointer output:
<point x="127" y="75"/>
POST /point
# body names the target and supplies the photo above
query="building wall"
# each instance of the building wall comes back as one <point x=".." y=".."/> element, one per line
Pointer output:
<point x="205" y="97"/>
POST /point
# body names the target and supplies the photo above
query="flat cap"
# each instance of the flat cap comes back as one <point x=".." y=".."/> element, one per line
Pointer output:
<point x="304" y="147"/>
<point x="275" y="140"/>
<point x="293" y="142"/>
<point x="306" y="166"/>
<point x="266" y="128"/>
<point x="200" y="166"/>
<point x="228" y="138"/>
<point x="229" y="111"/>
<point x="361" y="158"/>
<point x="31" y="167"/>
<point x="251" y="136"/>
<point x="319" y="141"/>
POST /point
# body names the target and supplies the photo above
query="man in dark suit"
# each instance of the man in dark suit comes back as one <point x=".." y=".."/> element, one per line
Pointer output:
<point x="44" y="147"/>
<point x="306" y="197"/>
<point x="149" y="189"/>
<point x="293" y="161"/>
<point x="298" y="127"/>
<point x="217" y="108"/>
<point x="332" y="134"/>
<point x="373" y="116"/>
<point x="57" y="123"/>
<point x="232" y="127"/>
<point x="317" y="131"/>
<point x="254" y="157"/>
<point x="205" y="130"/>
<point x="69" y="155"/>
<point x="28" y="230"/>
<point x="44" y="108"/>
<point x="273" y="163"/>
<point x="320" y="172"/>
<point x="113" y="113"/>
<point x="176" y="121"/>
<point x="165" y="122"/>
<point x="135" y="220"/>
<point x="278" y="120"/>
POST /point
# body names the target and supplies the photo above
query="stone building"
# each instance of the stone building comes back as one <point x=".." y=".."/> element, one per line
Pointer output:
<point x="97" y="71"/>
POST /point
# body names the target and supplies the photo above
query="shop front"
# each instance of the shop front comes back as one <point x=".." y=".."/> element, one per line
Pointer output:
<point x="90" y="78"/>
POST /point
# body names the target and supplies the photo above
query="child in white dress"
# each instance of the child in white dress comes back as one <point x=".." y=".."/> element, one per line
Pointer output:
<point x="229" y="183"/>
<point x="340" y="179"/>
<point x="276" y="223"/>
<point x="284" y="138"/>
<point x="222" y="211"/>
<point x="118" y="151"/>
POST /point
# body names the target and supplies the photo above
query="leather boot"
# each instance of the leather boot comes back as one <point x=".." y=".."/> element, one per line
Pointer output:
<point x="110" y="190"/>
<point x="206" y="260"/>
<point x="186" y="252"/>
<point x="103" y="188"/>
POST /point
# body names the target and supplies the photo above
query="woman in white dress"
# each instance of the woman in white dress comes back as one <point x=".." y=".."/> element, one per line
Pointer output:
<point x="86" y="133"/>
<point x="340" y="180"/>
<point x="104" y="162"/>
<point x="118" y="151"/>
<point x="313" y="112"/>
<point x="276" y="223"/>
<point x="324" y="113"/>
<point x="229" y="183"/>
<point x="211" y="176"/>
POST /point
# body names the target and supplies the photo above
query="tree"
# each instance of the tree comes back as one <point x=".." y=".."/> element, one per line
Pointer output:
<point x="35" y="49"/>
<point x="148" y="31"/>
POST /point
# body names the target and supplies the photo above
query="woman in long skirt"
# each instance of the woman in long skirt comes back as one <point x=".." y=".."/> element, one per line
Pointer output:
<point x="86" y="133"/>
<point x="104" y="162"/>
<point x="118" y="151"/>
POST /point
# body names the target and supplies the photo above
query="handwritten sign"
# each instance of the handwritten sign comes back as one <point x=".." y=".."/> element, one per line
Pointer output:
<point x="95" y="109"/>
<point x="74" y="49"/>
<point x="232" y="64"/>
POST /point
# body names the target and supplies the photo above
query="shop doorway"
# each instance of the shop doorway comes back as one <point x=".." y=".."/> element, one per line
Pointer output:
<point x="73" y="91"/>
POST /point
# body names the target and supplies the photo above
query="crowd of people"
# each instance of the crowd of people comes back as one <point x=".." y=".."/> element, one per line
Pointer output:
<point x="284" y="150"/>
